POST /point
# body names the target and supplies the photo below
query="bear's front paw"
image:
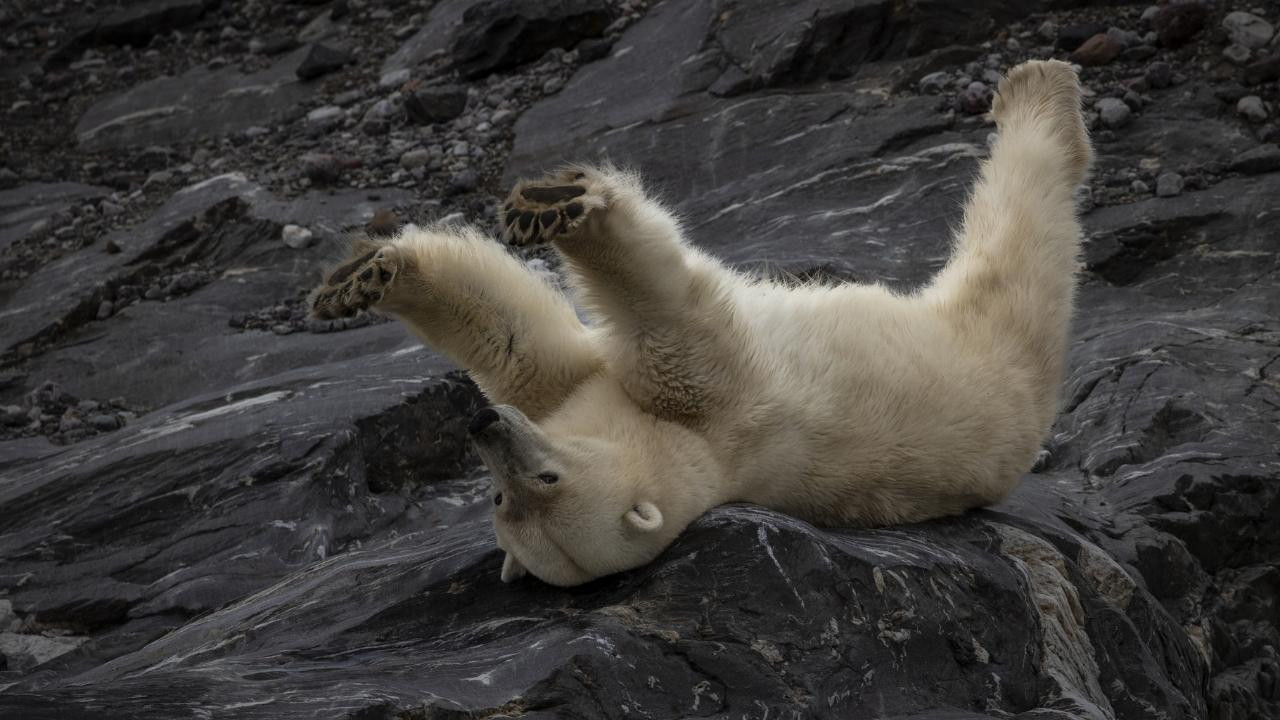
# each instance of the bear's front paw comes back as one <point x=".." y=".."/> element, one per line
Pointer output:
<point x="542" y="210"/>
<point x="358" y="284"/>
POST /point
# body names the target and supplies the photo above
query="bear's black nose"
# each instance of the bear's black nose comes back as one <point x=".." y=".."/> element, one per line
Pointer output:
<point x="482" y="420"/>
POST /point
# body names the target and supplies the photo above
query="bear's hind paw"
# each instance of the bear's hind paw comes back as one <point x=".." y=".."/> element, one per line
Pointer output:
<point x="541" y="210"/>
<point x="357" y="285"/>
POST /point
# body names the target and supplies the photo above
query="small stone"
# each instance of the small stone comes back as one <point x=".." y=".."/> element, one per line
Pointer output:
<point x="70" y="422"/>
<point x="1169" y="185"/>
<point x="460" y="149"/>
<point x="436" y="104"/>
<point x="933" y="83"/>
<point x="295" y="236"/>
<point x="1149" y="13"/>
<point x="1264" y="70"/>
<point x="415" y="158"/>
<point x="394" y="79"/>
<point x="110" y="209"/>
<point x="463" y="181"/>
<point x="1126" y="38"/>
<point x="321" y="60"/>
<point x="256" y="131"/>
<point x="1176" y="25"/>
<point x="323" y="119"/>
<point x="348" y="97"/>
<point x="552" y="85"/>
<point x="1247" y="29"/>
<point x="104" y="423"/>
<point x="105" y="308"/>
<point x="1113" y="112"/>
<point x="1237" y="54"/>
<point x="594" y="49"/>
<point x="975" y="99"/>
<point x="1262" y="159"/>
<point x="1251" y="107"/>
<point x="159" y="177"/>
<point x="1159" y="74"/>
<point x="321" y="168"/>
<point x="1133" y="100"/>
<point x="1098" y="50"/>
<point x="1048" y="31"/>
<point x="1073" y="36"/>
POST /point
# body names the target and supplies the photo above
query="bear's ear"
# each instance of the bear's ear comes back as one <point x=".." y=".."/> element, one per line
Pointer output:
<point x="645" y="517"/>
<point x="512" y="569"/>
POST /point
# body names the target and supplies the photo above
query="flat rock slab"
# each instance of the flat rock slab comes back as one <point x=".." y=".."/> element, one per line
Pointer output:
<point x="197" y="104"/>
<point x="26" y="205"/>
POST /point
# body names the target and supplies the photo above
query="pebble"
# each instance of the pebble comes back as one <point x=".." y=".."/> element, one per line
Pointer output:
<point x="1133" y="100"/>
<point x="552" y="85"/>
<point x="976" y="98"/>
<point x="1048" y="31"/>
<point x="159" y="177"/>
<point x="321" y="168"/>
<point x="415" y="158"/>
<point x="1169" y="185"/>
<point x="1247" y="29"/>
<point x="394" y="79"/>
<point x="1251" y="107"/>
<point x="462" y="181"/>
<point x="1176" y="25"/>
<point x="324" y="118"/>
<point x="105" y="308"/>
<point x="436" y="104"/>
<point x="1139" y="188"/>
<point x="1114" y="113"/>
<point x="110" y="209"/>
<point x="1237" y="54"/>
<point x="1098" y="50"/>
<point x="1159" y="74"/>
<point x="104" y="423"/>
<point x="931" y="84"/>
<point x="321" y="60"/>
<point x="295" y="236"/>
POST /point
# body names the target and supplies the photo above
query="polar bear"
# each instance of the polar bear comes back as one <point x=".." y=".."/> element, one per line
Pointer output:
<point x="697" y="386"/>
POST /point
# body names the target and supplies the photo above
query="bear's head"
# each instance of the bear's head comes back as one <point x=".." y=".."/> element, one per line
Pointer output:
<point x="576" y="499"/>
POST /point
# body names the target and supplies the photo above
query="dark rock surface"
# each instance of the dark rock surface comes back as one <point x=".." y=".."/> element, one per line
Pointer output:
<point x="211" y="506"/>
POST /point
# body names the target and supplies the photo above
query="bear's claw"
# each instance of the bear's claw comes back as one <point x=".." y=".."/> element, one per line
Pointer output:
<point x="356" y="285"/>
<point x="542" y="210"/>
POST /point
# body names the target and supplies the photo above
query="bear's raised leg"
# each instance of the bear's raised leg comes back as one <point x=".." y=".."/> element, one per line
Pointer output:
<point x="673" y="333"/>
<point x="466" y="297"/>
<point x="1011" y="280"/>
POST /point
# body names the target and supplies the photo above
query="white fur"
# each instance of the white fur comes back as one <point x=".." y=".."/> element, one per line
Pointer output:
<point x="696" y="386"/>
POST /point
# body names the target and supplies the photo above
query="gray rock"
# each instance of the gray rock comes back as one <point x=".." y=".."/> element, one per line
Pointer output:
<point x="934" y="83"/>
<point x="324" y="119"/>
<point x="132" y="24"/>
<point x="197" y="104"/>
<point x="104" y="423"/>
<point x="1114" y="113"/>
<point x="321" y="60"/>
<point x="1247" y="29"/>
<point x="1159" y="74"/>
<point x="1261" y="159"/>
<point x="976" y="98"/>
<point x="321" y="168"/>
<point x="105" y="308"/>
<point x="1237" y="54"/>
<point x="499" y="34"/>
<point x="1139" y="187"/>
<point x="394" y="78"/>
<point x="25" y="652"/>
<point x="1169" y="185"/>
<point x="435" y="104"/>
<point x="296" y="236"/>
<point x="415" y="158"/>
<point x="1252" y="107"/>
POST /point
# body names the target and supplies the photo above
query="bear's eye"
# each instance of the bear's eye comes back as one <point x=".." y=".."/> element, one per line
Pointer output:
<point x="549" y="478"/>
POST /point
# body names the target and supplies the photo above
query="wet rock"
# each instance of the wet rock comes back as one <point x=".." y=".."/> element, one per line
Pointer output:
<point x="1114" y="113"/>
<point x="1098" y="50"/>
<point x="1177" y="24"/>
<point x="1252" y="108"/>
<point x="1247" y="29"/>
<point x="321" y="60"/>
<point x="499" y="34"/>
<point x="435" y="104"/>
<point x="1262" y="159"/>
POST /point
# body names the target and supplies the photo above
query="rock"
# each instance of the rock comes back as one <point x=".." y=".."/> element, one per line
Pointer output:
<point x="500" y="34"/>
<point x="131" y="24"/>
<point x="414" y="158"/>
<point x="1159" y="74"/>
<point x="199" y="103"/>
<point x="1139" y="53"/>
<point x="394" y="79"/>
<point x="435" y="104"/>
<point x="28" y="210"/>
<point x="1098" y="50"/>
<point x="1247" y="30"/>
<point x="593" y="49"/>
<point x="321" y="60"/>
<point x="1169" y="185"/>
<point x="1071" y="37"/>
<point x="1237" y="54"/>
<point x="1264" y="70"/>
<point x="1262" y="159"/>
<point x="321" y="168"/>
<point x="976" y="98"/>
<point x="24" y="652"/>
<point x="1177" y="24"/>
<point x="463" y="181"/>
<point x="105" y="308"/>
<point x="934" y="83"/>
<point x="324" y="119"/>
<point x="1124" y="38"/>
<point x="1114" y="113"/>
<point x="1252" y="107"/>
<point x="295" y="236"/>
<point x="1139" y="187"/>
<point x="104" y="423"/>
<point x="1047" y="31"/>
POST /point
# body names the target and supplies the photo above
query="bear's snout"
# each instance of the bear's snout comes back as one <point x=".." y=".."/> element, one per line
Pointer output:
<point x="482" y="420"/>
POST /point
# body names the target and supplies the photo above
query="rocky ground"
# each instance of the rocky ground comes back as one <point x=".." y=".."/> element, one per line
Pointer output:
<point x="211" y="505"/>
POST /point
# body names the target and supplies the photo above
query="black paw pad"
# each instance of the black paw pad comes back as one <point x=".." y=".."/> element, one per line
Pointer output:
<point x="344" y="272"/>
<point x="550" y="195"/>
<point x="573" y="210"/>
<point x="526" y="219"/>
<point x="547" y="218"/>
